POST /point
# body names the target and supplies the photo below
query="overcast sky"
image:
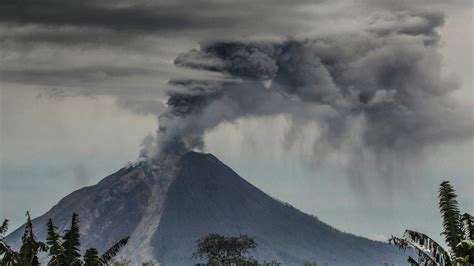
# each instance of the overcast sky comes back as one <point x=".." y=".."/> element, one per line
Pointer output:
<point x="82" y="84"/>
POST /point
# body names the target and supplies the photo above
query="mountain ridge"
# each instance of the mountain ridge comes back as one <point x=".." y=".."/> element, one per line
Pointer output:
<point x="165" y="210"/>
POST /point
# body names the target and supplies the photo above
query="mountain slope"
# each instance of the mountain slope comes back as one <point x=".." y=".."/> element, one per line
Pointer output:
<point x="166" y="209"/>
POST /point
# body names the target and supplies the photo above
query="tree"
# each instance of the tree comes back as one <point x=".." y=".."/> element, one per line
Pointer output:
<point x="30" y="247"/>
<point x="66" y="252"/>
<point x="448" y="206"/>
<point x="91" y="258"/>
<point x="221" y="250"/>
<point x="10" y="257"/>
<point x="63" y="250"/>
<point x="56" y="249"/>
<point x="457" y="231"/>
<point x="71" y="243"/>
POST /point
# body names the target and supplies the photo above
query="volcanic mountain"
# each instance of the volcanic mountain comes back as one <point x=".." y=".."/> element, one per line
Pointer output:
<point x="165" y="209"/>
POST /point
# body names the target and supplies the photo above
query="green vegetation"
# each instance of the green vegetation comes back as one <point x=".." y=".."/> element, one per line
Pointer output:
<point x="222" y="250"/>
<point x="457" y="231"/>
<point x="61" y="250"/>
<point x="27" y="255"/>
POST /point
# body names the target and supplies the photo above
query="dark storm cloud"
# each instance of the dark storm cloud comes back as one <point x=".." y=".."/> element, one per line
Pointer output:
<point x="73" y="76"/>
<point x="35" y="33"/>
<point x="192" y="86"/>
<point x="371" y="65"/>
<point x="241" y="60"/>
<point x="141" y="16"/>
<point x="381" y="90"/>
<point x="200" y="60"/>
<point x="112" y="15"/>
<point x="27" y="37"/>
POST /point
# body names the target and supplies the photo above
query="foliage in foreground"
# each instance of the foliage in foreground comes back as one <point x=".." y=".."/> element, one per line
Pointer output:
<point x="222" y="250"/>
<point x="61" y="249"/>
<point x="458" y="232"/>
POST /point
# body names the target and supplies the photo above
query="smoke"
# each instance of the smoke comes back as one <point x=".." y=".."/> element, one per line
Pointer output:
<point x="141" y="106"/>
<point x="378" y="94"/>
<point x="81" y="175"/>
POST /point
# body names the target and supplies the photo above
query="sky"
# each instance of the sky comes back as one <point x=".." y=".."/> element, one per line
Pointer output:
<point x="82" y="85"/>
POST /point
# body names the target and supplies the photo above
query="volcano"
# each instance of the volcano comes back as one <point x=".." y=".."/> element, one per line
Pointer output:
<point x="165" y="207"/>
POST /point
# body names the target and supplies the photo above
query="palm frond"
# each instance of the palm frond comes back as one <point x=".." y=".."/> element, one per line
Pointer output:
<point x="401" y="243"/>
<point x="4" y="228"/>
<point x="113" y="251"/>
<point x="412" y="261"/>
<point x="10" y="257"/>
<point x="465" y="249"/>
<point x="428" y="250"/>
<point x="53" y="239"/>
<point x="429" y="247"/>
<point x="4" y="249"/>
<point x="449" y="209"/>
<point x="468" y="226"/>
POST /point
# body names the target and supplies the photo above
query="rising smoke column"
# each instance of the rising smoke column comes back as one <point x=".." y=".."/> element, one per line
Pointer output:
<point x="383" y="85"/>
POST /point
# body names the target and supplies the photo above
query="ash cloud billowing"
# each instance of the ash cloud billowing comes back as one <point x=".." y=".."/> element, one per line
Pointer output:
<point x="381" y="90"/>
<point x="367" y="73"/>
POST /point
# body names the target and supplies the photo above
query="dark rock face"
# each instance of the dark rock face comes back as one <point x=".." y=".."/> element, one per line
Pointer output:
<point x="107" y="211"/>
<point x="165" y="217"/>
<point x="208" y="197"/>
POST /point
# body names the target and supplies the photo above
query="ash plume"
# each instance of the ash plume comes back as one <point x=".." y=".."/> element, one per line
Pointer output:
<point x="380" y="91"/>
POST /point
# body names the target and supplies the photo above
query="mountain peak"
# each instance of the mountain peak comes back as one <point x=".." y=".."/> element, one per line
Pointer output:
<point x="166" y="208"/>
<point x="194" y="155"/>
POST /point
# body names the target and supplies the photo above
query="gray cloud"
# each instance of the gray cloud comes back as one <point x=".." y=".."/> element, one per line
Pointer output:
<point x="410" y="23"/>
<point x="72" y="76"/>
<point x="370" y="66"/>
<point x="379" y="93"/>
<point x="138" y="15"/>
<point x="93" y="42"/>
<point x="118" y="22"/>
<point x="52" y="93"/>
<point x="116" y="16"/>
<point x="141" y="106"/>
